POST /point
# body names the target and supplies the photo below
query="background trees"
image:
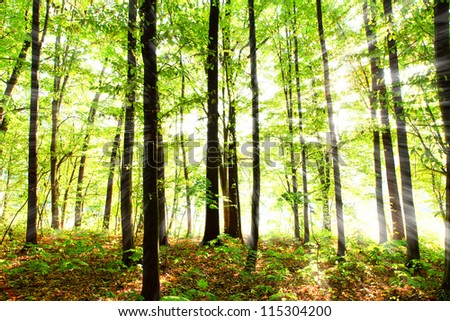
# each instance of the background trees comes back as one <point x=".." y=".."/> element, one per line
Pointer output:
<point x="341" y="85"/>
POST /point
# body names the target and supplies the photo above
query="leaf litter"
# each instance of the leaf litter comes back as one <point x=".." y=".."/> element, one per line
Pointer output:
<point x="87" y="266"/>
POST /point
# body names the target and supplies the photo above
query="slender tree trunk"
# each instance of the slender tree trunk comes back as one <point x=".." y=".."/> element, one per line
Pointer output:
<point x="234" y="209"/>
<point x="412" y="237"/>
<point x="66" y="196"/>
<point x="150" y="280"/>
<point x="59" y="84"/>
<point x="212" y="229"/>
<point x="442" y="64"/>
<point x="371" y="43"/>
<point x="378" y="182"/>
<point x="8" y="180"/>
<point x="223" y="170"/>
<point x="31" y="233"/>
<point x="183" y="153"/>
<point x="112" y="166"/>
<point x="163" y="232"/>
<point x="398" y="229"/>
<point x="12" y="81"/>
<point x="79" y="192"/>
<point x="293" y="165"/>
<point x="323" y="167"/>
<point x="333" y="141"/>
<point x="306" y="237"/>
<point x="256" y="189"/>
<point x="126" y="179"/>
<point x="10" y="84"/>
<point x="287" y="79"/>
<point x="56" y="103"/>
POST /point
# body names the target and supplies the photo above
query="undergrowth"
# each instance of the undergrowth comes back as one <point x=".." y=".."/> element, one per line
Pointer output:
<point x="82" y="265"/>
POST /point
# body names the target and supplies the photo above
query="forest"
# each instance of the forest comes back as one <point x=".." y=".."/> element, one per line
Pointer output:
<point x="224" y="150"/>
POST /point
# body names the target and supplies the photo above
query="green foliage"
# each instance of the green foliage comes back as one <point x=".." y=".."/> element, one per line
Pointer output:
<point x="286" y="270"/>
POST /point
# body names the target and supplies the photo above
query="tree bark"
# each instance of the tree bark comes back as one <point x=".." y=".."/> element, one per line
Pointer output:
<point x="256" y="188"/>
<point x="163" y="231"/>
<point x="290" y="114"/>
<point x="333" y="140"/>
<point x="56" y="104"/>
<point x="323" y="167"/>
<point x="126" y="179"/>
<point x="442" y="64"/>
<point x="112" y="165"/>
<point x="59" y="85"/>
<point x="31" y="233"/>
<point x="213" y="159"/>
<point x="398" y="228"/>
<point x="66" y="196"/>
<point x="412" y="237"/>
<point x="183" y="153"/>
<point x="150" y="267"/>
<point x="371" y="44"/>
<point x="306" y="234"/>
<point x="234" y="209"/>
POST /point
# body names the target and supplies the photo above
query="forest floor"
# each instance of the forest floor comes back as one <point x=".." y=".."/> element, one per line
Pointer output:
<point x="87" y="266"/>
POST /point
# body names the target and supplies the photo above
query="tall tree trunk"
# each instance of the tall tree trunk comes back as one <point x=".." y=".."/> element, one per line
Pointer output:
<point x="183" y="154"/>
<point x="59" y="84"/>
<point x="212" y="229"/>
<point x="56" y="103"/>
<point x="442" y="64"/>
<point x="306" y="237"/>
<point x="234" y="209"/>
<point x="223" y="170"/>
<point x="333" y="140"/>
<point x="112" y="166"/>
<point x="290" y="114"/>
<point x="256" y="189"/>
<point x="371" y="43"/>
<point x="126" y="179"/>
<point x="80" y="180"/>
<point x="31" y="233"/>
<point x="150" y="267"/>
<point x="412" y="237"/>
<point x="398" y="229"/>
<point x="323" y="168"/>
<point x="394" y="197"/>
